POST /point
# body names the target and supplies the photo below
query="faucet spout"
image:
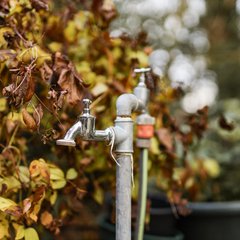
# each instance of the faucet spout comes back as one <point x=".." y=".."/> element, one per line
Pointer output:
<point x="69" y="139"/>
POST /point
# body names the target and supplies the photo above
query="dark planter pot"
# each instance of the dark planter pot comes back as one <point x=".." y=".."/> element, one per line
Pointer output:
<point x="212" y="221"/>
<point x="107" y="231"/>
<point x="162" y="220"/>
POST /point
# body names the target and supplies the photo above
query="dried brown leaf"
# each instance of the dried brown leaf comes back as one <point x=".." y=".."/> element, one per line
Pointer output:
<point x="66" y="77"/>
<point x="40" y="4"/>
<point x="86" y="161"/>
<point x="7" y="54"/>
<point x="165" y="138"/>
<point x="10" y="207"/>
<point x="38" y="114"/>
<point x="46" y="72"/>
<point x="28" y="120"/>
<point x="32" y="205"/>
<point x="27" y="203"/>
<point x="46" y="218"/>
<point x="30" y="89"/>
<point x="21" y="89"/>
<point x="224" y="124"/>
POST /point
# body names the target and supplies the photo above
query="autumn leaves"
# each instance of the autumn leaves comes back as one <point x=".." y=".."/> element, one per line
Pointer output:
<point x="44" y="179"/>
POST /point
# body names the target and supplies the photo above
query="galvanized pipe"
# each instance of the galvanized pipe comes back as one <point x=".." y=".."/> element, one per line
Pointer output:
<point x="124" y="150"/>
<point x="123" y="198"/>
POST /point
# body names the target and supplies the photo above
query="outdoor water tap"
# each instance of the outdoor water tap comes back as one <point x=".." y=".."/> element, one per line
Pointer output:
<point x="141" y="91"/>
<point x="144" y="121"/>
<point x="120" y="137"/>
<point x="85" y="129"/>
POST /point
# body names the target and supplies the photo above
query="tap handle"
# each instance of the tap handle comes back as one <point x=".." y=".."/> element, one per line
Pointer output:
<point x="142" y="70"/>
<point x="143" y="76"/>
<point x="86" y="102"/>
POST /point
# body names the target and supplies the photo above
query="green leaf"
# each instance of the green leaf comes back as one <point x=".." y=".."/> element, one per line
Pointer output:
<point x="30" y="234"/>
<point x="71" y="174"/>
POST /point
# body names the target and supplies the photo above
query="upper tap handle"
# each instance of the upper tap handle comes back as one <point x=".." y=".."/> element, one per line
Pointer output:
<point x="142" y="70"/>
<point x="87" y="102"/>
<point x="143" y="77"/>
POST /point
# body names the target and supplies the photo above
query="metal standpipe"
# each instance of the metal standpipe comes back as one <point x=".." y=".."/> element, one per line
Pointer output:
<point x="121" y="135"/>
<point x="123" y="198"/>
<point x="124" y="150"/>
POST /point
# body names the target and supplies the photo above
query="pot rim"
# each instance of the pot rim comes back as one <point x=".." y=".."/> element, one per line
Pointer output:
<point x="216" y="208"/>
<point x="231" y="207"/>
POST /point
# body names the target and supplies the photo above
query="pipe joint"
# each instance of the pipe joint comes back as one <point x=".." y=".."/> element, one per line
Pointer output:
<point x="128" y="103"/>
<point x="123" y="135"/>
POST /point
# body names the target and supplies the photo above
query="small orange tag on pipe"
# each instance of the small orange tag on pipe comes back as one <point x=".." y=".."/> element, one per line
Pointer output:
<point x="145" y="131"/>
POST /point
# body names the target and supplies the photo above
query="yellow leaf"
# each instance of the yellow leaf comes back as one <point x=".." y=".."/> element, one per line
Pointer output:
<point x="189" y="183"/>
<point x="117" y="53"/>
<point x="55" y="46"/>
<point x="2" y="231"/>
<point x="19" y="231"/>
<point x="80" y="20"/>
<point x="212" y="167"/>
<point x="34" y="53"/>
<point x="3" y="31"/>
<point x="6" y="203"/>
<point x="56" y="173"/>
<point x="30" y="234"/>
<point x="154" y="148"/>
<point x="70" y="32"/>
<point x="53" y="197"/>
<point x="10" y="207"/>
<point x="71" y="174"/>
<point x="57" y="184"/>
<point x="39" y="171"/>
<point x="17" y="6"/>
<point x="141" y="56"/>
<point x="14" y="116"/>
<point x="98" y="195"/>
<point x="12" y="183"/>
<point x="4" y="227"/>
<point x="2" y="104"/>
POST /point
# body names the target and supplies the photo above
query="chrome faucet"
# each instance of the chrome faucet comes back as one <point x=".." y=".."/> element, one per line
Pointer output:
<point x="121" y="138"/>
<point x="85" y="128"/>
